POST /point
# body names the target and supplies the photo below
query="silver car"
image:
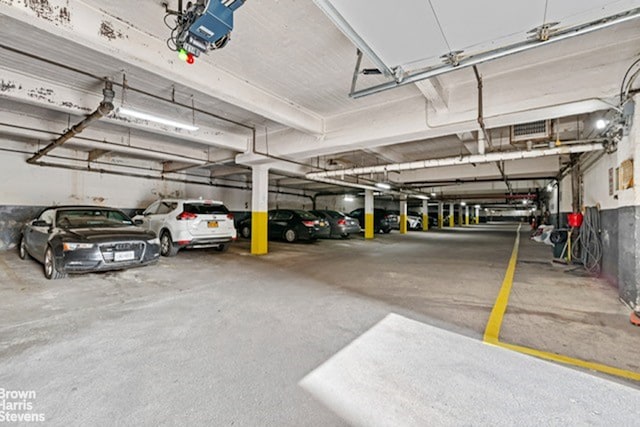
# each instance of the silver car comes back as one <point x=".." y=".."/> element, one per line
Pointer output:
<point x="341" y="224"/>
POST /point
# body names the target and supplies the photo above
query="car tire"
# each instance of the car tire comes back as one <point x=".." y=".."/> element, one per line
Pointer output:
<point x="290" y="235"/>
<point x="344" y="236"/>
<point x="50" y="268"/>
<point x="245" y="231"/>
<point x="167" y="247"/>
<point x="223" y="247"/>
<point x="386" y="230"/>
<point x="22" y="249"/>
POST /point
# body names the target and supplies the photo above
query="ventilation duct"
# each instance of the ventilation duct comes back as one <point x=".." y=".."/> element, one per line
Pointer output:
<point x="533" y="131"/>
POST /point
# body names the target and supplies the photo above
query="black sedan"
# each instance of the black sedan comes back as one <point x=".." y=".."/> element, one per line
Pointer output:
<point x="81" y="239"/>
<point x="341" y="224"/>
<point x="381" y="219"/>
<point x="287" y="224"/>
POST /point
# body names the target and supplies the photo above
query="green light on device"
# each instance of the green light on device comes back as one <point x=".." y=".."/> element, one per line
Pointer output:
<point x="182" y="54"/>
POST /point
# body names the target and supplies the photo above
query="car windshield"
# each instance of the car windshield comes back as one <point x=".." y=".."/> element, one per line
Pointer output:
<point x="205" y="208"/>
<point x="87" y="218"/>
<point x="305" y="215"/>
<point x="334" y="214"/>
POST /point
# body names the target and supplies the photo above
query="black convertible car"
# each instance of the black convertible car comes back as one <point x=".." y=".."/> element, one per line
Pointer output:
<point x="81" y="239"/>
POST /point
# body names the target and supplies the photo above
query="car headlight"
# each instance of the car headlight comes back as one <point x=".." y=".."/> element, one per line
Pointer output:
<point x="73" y="246"/>
<point x="155" y="241"/>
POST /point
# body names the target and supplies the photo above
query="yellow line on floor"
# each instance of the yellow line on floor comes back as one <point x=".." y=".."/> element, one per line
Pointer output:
<point x="492" y="331"/>
<point x="571" y="361"/>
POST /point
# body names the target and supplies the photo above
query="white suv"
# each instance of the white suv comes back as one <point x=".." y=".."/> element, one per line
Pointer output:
<point x="193" y="223"/>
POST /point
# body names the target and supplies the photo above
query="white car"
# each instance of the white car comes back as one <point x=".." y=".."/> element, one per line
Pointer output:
<point x="414" y="220"/>
<point x="193" y="223"/>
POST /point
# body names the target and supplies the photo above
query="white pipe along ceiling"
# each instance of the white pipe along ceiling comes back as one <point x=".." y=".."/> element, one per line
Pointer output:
<point x="436" y="39"/>
<point x="295" y="99"/>
<point x="461" y="160"/>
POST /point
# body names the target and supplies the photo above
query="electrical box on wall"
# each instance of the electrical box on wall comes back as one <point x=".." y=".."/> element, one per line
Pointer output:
<point x="625" y="174"/>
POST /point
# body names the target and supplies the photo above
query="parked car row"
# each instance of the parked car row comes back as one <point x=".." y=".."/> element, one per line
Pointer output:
<point x="80" y="239"/>
<point x="292" y="225"/>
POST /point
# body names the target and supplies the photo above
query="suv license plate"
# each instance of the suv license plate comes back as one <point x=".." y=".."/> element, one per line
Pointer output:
<point x="124" y="256"/>
<point x="212" y="224"/>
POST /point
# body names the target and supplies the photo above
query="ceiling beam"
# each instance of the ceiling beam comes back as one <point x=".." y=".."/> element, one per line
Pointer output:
<point x="139" y="49"/>
<point x="434" y="93"/>
<point x="48" y="95"/>
<point x="96" y="153"/>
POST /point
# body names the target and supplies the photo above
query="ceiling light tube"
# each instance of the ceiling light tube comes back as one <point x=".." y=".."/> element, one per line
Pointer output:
<point x="151" y="118"/>
<point x="383" y="185"/>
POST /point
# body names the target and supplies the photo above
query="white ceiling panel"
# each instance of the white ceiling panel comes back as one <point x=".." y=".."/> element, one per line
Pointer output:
<point x="415" y="34"/>
<point x="482" y="24"/>
<point x="399" y="32"/>
<point x="581" y="11"/>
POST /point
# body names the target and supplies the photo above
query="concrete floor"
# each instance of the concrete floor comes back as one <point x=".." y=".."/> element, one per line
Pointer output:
<point x="224" y="339"/>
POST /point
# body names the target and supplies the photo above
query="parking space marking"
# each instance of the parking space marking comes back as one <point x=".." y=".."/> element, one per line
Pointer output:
<point x="492" y="331"/>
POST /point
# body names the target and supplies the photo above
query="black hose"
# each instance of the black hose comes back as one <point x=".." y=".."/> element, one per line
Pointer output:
<point x="589" y="251"/>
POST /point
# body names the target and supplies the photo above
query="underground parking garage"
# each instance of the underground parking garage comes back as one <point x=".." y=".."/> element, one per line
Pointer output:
<point x="319" y="213"/>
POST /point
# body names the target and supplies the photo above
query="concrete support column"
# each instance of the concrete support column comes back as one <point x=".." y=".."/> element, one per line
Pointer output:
<point x="259" y="209"/>
<point x="368" y="214"/>
<point x="477" y="215"/>
<point x="452" y="212"/>
<point x="440" y="214"/>
<point x="460" y="209"/>
<point x="466" y="215"/>
<point x="403" y="214"/>
<point x="425" y="215"/>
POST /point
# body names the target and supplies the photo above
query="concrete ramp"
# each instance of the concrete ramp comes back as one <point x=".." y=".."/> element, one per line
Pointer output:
<point x="405" y="373"/>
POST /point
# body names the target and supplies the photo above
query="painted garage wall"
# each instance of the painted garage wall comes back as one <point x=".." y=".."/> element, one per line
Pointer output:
<point x="26" y="189"/>
<point x="619" y="215"/>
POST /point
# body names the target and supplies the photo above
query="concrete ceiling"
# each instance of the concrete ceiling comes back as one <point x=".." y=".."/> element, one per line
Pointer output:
<point x="287" y="73"/>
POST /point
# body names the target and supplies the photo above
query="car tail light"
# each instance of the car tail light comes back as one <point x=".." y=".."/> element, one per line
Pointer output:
<point x="186" y="216"/>
<point x="309" y="223"/>
<point x="230" y="216"/>
<point x="342" y="221"/>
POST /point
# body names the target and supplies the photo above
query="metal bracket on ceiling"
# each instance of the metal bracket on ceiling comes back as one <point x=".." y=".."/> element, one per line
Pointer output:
<point x="453" y="58"/>
<point x="544" y="31"/>
<point x="398" y="73"/>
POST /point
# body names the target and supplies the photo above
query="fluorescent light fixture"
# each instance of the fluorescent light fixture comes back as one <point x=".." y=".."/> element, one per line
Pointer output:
<point x="383" y="185"/>
<point x="463" y="203"/>
<point x="421" y="197"/>
<point x="601" y="123"/>
<point x="149" y="117"/>
<point x="433" y="194"/>
<point x="524" y="202"/>
<point x="549" y="187"/>
<point x="348" y="198"/>
<point x="477" y="206"/>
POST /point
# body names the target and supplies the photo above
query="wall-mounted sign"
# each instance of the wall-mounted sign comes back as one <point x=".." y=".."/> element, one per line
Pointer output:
<point x="611" y="186"/>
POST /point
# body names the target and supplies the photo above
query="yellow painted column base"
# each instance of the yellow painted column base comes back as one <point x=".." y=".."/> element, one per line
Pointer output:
<point x="466" y="220"/>
<point x="368" y="226"/>
<point x="440" y="221"/>
<point x="259" y="227"/>
<point x="425" y="222"/>
<point x="452" y="221"/>
<point x="477" y="220"/>
<point x="403" y="224"/>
